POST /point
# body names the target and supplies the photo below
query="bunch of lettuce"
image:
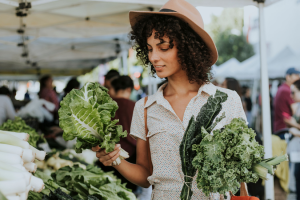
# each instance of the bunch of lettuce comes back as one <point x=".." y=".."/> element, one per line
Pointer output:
<point x="19" y="125"/>
<point x="77" y="183"/>
<point x="86" y="114"/>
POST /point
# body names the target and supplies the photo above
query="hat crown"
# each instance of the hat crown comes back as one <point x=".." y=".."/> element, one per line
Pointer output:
<point x="185" y="8"/>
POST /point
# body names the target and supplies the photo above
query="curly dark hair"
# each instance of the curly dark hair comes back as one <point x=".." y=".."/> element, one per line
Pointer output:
<point x="194" y="55"/>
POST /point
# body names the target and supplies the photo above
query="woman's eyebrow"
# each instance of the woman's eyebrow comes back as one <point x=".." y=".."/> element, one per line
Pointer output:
<point x="161" y="43"/>
<point x="149" y="45"/>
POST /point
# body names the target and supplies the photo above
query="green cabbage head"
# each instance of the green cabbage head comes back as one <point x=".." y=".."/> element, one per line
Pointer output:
<point x="86" y="114"/>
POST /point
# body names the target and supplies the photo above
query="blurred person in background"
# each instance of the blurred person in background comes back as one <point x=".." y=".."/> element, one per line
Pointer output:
<point x="56" y="130"/>
<point x="47" y="92"/>
<point x="122" y="88"/>
<point x="294" y="144"/>
<point x="246" y="97"/>
<point x="109" y="77"/>
<point x="72" y="84"/>
<point x="283" y="101"/>
<point x="232" y="84"/>
<point x="7" y="110"/>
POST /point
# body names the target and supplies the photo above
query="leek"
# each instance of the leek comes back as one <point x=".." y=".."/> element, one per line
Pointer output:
<point x="10" y="158"/>
<point x="7" y="175"/>
<point x="28" y="155"/>
<point x="40" y="155"/>
<point x="21" y="136"/>
<point x="12" y="140"/>
<point x="23" y="196"/>
<point x="37" y="184"/>
<point x="13" y="198"/>
<point x="12" y="187"/>
<point x="31" y="167"/>
<point x="14" y="168"/>
<point x="11" y="149"/>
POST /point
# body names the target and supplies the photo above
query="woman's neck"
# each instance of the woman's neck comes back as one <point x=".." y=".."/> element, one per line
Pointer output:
<point x="180" y="85"/>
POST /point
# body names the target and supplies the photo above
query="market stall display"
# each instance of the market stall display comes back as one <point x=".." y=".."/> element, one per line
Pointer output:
<point x="17" y="165"/>
<point x="19" y="126"/>
<point x="77" y="183"/>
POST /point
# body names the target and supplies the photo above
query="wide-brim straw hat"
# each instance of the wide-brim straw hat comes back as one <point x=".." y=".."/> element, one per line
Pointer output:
<point x="186" y="12"/>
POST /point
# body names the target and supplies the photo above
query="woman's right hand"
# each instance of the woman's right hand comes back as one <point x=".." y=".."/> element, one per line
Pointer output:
<point x="105" y="158"/>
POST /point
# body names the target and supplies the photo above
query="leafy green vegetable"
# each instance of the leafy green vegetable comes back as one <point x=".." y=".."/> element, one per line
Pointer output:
<point x="19" y="125"/>
<point x="86" y="114"/>
<point x="88" y="184"/>
<point x="193" y="135"/>
<point x="57" y="195"/>
<point x="231" y="156"/>
<point x="225" y="158"/>
<point x="35" y="195"/>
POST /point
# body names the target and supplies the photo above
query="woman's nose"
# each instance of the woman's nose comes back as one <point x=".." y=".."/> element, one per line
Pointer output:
<point x="153" y="56"/>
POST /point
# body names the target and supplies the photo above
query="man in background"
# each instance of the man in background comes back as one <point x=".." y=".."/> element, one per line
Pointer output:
<point x="122" y="87"/>
<point x="283" y="100"/>
<point x="109" y="77"/>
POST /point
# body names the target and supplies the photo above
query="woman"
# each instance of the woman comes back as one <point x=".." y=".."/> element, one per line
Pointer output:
<point x="177" y="48"/>
<point x="47" y="92"/>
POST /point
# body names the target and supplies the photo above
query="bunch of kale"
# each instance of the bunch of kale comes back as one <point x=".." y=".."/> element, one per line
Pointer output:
<point x="225" y="158"/>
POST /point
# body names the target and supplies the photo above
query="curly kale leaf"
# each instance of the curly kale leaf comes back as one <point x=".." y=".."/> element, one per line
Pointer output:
<point x="225" y="158"/>
<point x="193" y="135"/>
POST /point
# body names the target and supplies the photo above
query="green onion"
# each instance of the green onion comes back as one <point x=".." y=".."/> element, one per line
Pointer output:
<point x="12" y="140"/>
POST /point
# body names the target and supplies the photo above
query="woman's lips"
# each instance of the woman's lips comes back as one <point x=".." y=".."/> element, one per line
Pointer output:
<point x="159" y="68"/>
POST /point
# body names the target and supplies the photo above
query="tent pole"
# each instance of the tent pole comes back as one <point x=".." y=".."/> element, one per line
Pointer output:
<point x="266" y="116"/>
<point x="124" y="62"/>
<point x="121" y="64"/>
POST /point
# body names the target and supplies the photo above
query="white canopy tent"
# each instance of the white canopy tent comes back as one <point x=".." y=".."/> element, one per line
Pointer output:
<point x="76" y="19"/>
<point x="249" y="69"/>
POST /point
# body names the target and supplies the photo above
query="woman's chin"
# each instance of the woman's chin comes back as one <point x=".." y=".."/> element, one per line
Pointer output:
<point x="161" y="75"/>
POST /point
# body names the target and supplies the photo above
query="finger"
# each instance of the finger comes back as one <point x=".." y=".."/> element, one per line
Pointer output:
<point x="96" y="148"/>
<point x="115" y="157"/>
<point x="100" y="154"/>
<point x="109" y="156"/>
<point x="109" y="162"/>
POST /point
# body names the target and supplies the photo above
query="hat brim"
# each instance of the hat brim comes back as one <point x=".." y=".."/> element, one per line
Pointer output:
<point x="135" y="15"/>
